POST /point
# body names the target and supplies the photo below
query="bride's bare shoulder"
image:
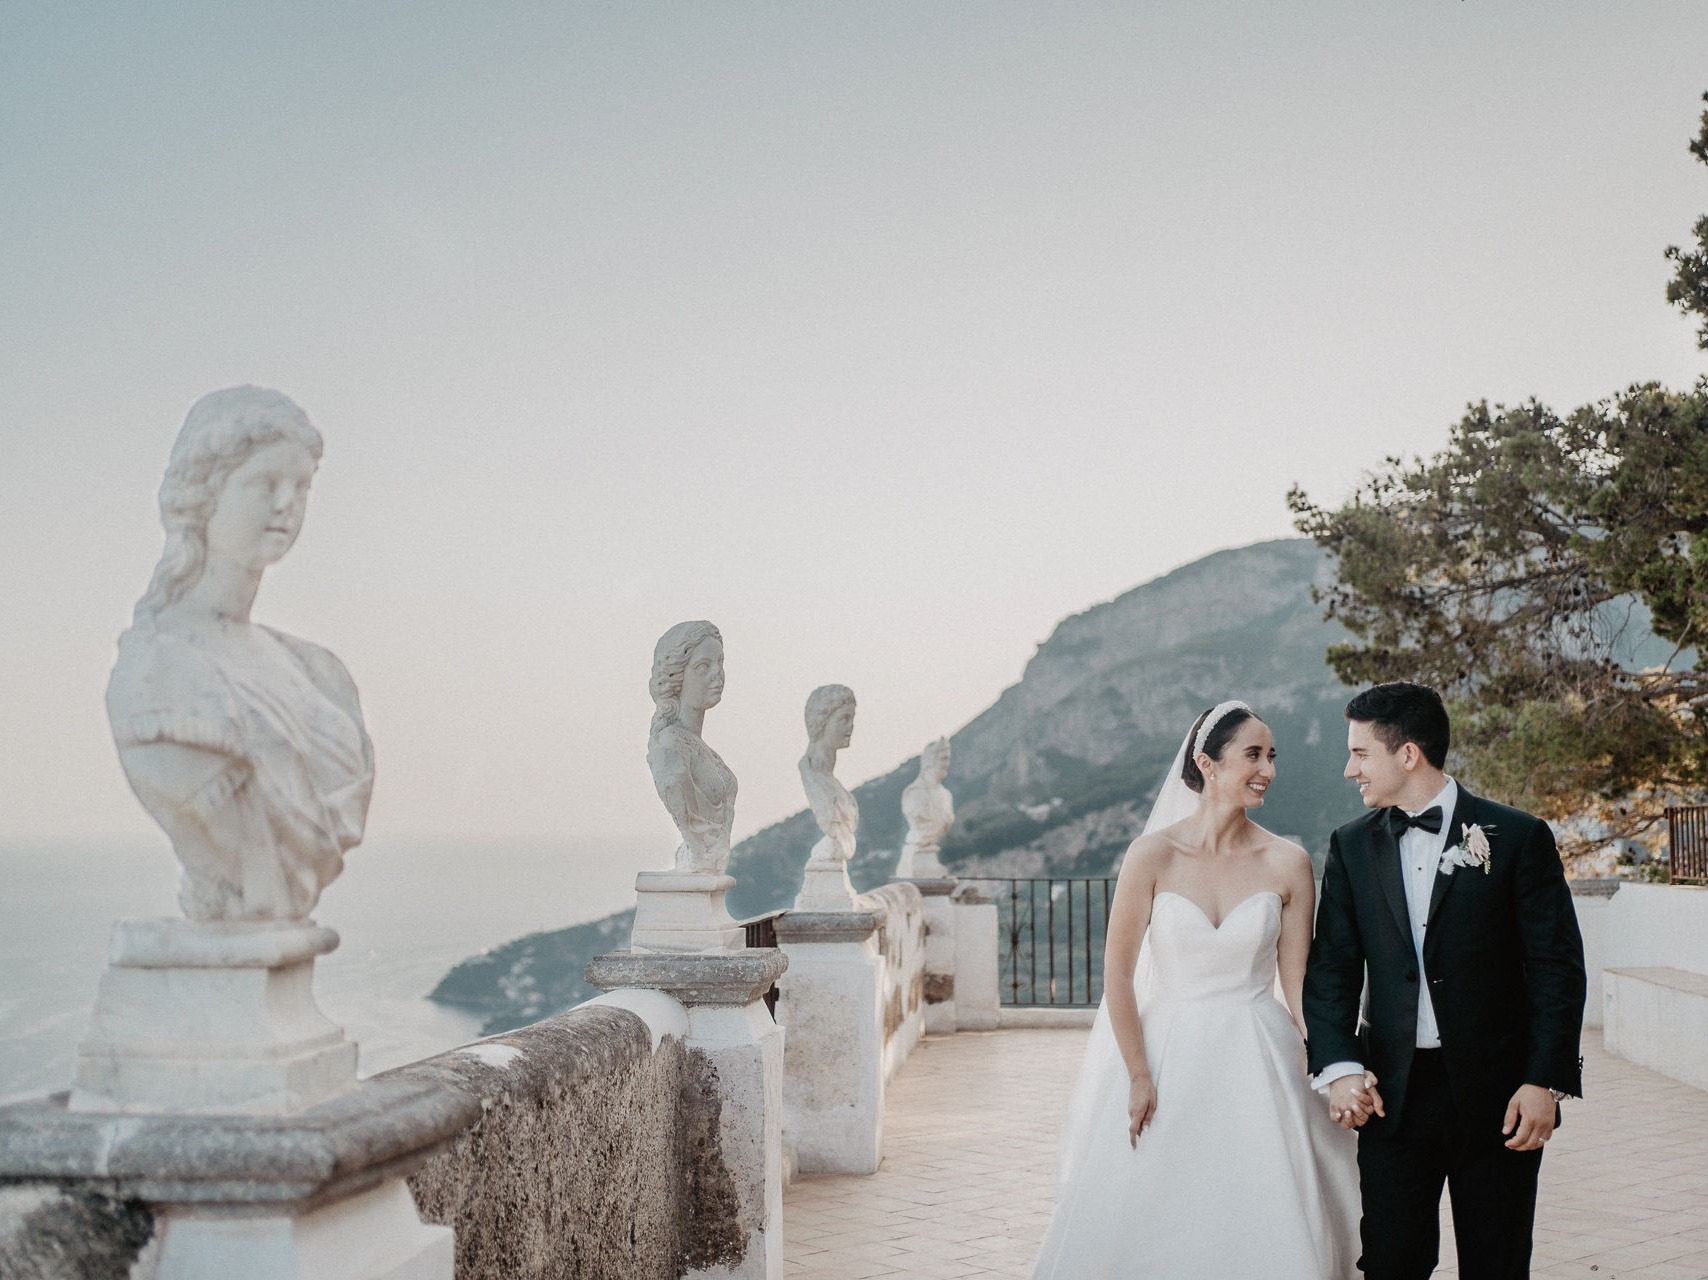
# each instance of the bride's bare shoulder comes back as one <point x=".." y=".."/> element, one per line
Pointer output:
<point x="1151" y="851"/>
<point x="1287" y="855"/>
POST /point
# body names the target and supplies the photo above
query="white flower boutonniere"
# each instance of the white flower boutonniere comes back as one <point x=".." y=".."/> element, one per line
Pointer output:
<point x="1471" y="851"/>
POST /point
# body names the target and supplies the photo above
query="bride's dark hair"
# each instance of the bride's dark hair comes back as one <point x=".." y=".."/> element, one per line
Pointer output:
<point x="1214" y="745"/>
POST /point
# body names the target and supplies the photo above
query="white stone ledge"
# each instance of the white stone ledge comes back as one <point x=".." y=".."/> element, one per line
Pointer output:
<point x="1657" y="1016"/>
<point x="1045" y="1016"/>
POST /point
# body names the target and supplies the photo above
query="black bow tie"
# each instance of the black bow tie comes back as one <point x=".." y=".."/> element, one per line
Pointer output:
<point x="1429" y="820"/>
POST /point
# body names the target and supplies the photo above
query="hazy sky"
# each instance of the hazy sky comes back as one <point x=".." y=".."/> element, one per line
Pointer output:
<point x="882" y="334"/>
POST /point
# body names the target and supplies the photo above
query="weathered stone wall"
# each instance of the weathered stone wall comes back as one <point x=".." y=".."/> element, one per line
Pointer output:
<point x="56" y="1232"/>
<point x="901" y="947"/>
<point x="596" y="1155"/>
<point x="595" y="1158"/>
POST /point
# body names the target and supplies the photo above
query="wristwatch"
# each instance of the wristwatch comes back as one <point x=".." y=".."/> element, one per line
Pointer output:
<point x="1560" y="1095"/>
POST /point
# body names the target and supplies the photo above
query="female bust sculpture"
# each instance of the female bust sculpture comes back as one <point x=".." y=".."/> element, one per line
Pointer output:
<point x="830" y="727"/>
<point x="695" y="784"/>
<point x="245" y="744"/>
<point x="930" y="813"/>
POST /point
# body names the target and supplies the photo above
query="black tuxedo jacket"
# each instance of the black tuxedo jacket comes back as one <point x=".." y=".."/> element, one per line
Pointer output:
<point x="1502" y="956"/>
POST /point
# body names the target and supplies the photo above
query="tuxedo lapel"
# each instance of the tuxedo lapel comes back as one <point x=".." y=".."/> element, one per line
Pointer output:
<point x="1385" y="854"/>
<point x="1455" y="835"/>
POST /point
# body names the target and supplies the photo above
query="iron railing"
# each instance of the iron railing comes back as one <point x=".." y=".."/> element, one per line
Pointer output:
<point x="761" y="931"/>
<point x="1687" y="843"/>
<point x="1053" y="928"/>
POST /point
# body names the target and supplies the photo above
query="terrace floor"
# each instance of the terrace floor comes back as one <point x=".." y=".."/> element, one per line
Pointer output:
<point x="969" y="1167"/>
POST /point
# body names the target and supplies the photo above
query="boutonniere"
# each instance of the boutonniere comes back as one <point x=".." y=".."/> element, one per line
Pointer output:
<point x="1471" y="851"/>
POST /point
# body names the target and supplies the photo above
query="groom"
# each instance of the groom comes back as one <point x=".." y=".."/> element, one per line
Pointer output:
<point x="1448" y="918"/>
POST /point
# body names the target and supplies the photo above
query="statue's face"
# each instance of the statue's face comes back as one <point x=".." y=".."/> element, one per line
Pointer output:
<point x="839" y="729"/>
<point x="259" y="512"/>
<point x="703" y="680"/>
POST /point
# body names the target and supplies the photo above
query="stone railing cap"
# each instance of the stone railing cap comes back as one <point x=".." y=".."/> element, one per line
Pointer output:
<point x="931" y="887"/>
<point x="709" y="977"/>
<point x="382" y="1128"/>
<point x="826" y="926"/>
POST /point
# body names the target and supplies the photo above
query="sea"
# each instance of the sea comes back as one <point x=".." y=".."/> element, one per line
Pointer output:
<point x="405" y="912"/>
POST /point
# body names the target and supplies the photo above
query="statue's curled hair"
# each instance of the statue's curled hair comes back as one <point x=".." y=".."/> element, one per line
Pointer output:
<point x="219" y="434"/>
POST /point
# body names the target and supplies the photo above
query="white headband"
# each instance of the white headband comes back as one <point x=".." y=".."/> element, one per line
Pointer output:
<point x="1216" y="713"/>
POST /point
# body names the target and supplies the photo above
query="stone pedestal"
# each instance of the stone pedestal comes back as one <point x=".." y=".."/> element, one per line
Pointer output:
<point x="738" y="1051"/>
<point x="684" y="912"/>
<point x="825" y="887"/>
<point x="372" y="1236"/>
<point x="920" y="863"/>
<point x="939" y="953"/>
<point x="318" y="1195"/>
<point x="211" y="1019"/>
<point x="830" y="1005"/>
<point x="978" y="987"/>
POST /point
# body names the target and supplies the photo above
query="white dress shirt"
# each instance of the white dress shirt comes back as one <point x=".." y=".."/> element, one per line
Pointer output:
<point x="1420" y="863"/>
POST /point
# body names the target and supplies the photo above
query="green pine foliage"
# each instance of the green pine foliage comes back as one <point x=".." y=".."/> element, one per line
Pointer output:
<point x="1549" y="573"/>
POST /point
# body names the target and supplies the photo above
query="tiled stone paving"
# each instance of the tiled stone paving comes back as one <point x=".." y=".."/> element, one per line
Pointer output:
<point x="969" y="1167"/>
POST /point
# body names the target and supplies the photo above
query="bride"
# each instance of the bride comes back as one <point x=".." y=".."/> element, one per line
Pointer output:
<point x="1194" y="1146"/>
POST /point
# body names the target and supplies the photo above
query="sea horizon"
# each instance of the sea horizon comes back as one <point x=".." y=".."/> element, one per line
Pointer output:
<point x="405" y="910"/>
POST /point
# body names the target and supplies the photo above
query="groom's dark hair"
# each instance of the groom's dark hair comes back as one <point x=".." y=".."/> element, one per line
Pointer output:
<point x="1402" y="712"/>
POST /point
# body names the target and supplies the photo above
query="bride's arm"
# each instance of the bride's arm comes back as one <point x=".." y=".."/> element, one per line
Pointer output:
<point x="1129" y="917"/>
<point x="1298" y="909"/>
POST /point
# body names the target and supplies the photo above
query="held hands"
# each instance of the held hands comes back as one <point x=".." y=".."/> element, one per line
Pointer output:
<point x="1531" y="1112"/>
<point x="1353" y="1099"/>
<point x="1141" y="1106"/>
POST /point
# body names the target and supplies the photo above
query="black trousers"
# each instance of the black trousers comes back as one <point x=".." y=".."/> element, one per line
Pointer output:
<point x="1400" y="1174"/>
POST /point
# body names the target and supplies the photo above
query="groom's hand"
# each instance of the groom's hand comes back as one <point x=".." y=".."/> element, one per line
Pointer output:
<point x="1531" y="1112"/>
<point x="1352" y="1099"/>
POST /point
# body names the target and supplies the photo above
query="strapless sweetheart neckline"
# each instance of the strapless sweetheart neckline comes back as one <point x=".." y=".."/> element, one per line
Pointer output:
<point x="1217" y="924"/>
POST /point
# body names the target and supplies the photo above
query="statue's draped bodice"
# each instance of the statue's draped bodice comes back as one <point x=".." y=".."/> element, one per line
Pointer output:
<point x="834" y="808"/>
<point x="267" y="830"/>
<point x="930" y="812"/>
<point x="698" y="790"/>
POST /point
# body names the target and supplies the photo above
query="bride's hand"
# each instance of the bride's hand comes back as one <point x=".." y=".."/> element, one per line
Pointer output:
<point x="1141" y="1107"/>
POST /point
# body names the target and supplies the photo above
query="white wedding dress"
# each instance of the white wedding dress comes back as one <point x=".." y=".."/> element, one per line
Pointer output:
<point x="1241" y="1173"/>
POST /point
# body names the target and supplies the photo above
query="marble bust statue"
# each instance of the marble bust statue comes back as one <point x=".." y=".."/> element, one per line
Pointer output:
<point x="830" y="727"/>
<point x="244" y="743"/>
<point x="695" y="784"/>
<point x="930" y="813"/>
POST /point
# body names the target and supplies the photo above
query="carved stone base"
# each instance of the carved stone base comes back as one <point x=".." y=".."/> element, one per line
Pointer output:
<point x="920" y="862"/>
<point x="825" y="887"/>
<point x="211" y="1019"/>
<point x="372" y="1236"/>
<point x="684" y="912"/>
